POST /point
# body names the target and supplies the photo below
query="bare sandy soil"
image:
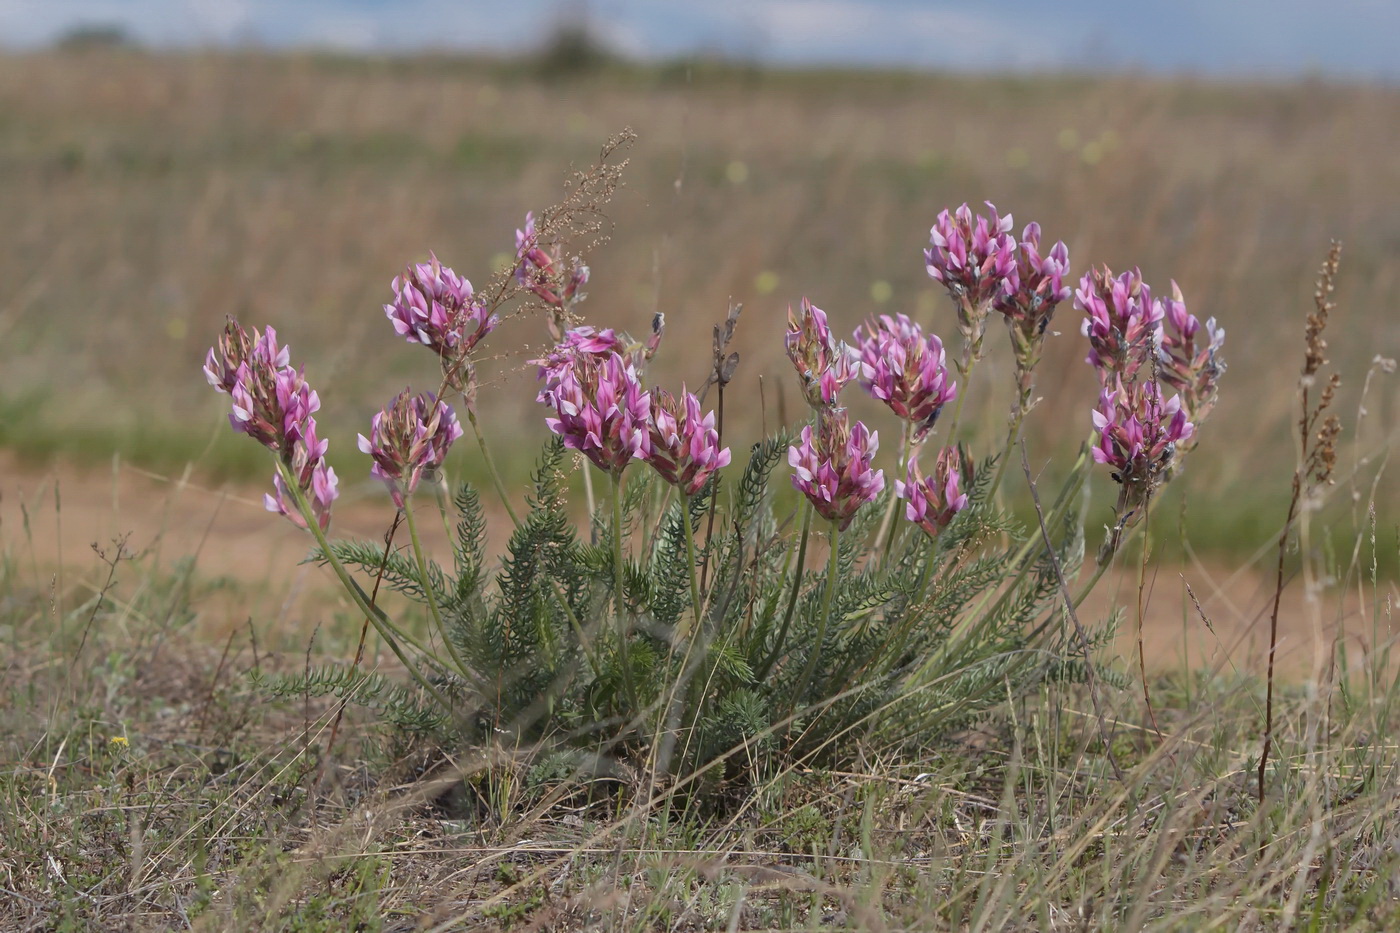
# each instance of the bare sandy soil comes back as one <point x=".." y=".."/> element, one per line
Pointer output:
<point x="233" y="539"/>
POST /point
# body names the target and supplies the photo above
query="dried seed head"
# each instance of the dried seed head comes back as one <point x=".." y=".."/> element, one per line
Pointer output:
<point x="1317" y="321"/>
<point x="1323" y="462"/>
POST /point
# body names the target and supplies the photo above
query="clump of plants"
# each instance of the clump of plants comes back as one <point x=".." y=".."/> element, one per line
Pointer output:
<point x="696" y="624"/>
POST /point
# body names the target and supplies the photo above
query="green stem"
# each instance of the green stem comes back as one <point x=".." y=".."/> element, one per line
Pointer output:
<point x="973" y="327"/>
<point x="887" y="524"/>
<point x="1089" y="586"/>
<point x="491" y="466"/>
<point x="690" y="663"/>
<point x="1003" y="594"/>
<point x="357" y="595"/>
<point x="958" y="405"/>
<point x="781" y="640"/>
<point x="588" y="499"/>
<point x="832" y="569"/>
<point x="441" y="494"/>
<point x="618" y="597"/>
<point x="428" y="593"/>
<point x="1013" y="434"/>
<point x="696" y="608"/>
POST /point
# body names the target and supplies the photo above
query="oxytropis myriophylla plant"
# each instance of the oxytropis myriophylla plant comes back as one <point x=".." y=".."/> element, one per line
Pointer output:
<point x="628" y="649"/>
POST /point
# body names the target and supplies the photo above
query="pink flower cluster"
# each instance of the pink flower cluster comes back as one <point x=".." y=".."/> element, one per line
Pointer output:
<point x="409" y="440"/>
<point x="934" y="500"/>
<point x="973" y="256"/>
<point x="824" y="364"/>
<point x="437" y="308"/>
<point x="904" y="369"/>
<point x="833" y="468"/>
<point x="1138" y="432"/>
<point x="1187" y="363"/>
<point x="602" y="410"/>
<point x="576" y="343"/>
<point x="1122" y="322"/>
<point x="1137" y="344"/>
<point x="273" y="404"/>
<point x="540" y="272"/>
<point x="1034" y="285"/>
<point x="685" y="447"/>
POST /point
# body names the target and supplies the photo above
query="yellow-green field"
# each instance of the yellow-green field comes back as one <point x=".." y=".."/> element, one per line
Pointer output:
<point x="186" y="743"/>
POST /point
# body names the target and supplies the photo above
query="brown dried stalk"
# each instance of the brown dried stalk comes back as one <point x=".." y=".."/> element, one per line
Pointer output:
<point x="1317" y="461"/>
<point x="722" y="371"/>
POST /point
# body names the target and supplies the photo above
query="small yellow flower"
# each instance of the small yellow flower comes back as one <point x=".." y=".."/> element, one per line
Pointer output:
<point x="119" y="740"/>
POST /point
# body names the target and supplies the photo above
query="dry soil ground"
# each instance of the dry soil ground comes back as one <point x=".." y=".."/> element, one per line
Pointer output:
<point x="235" y="541"/>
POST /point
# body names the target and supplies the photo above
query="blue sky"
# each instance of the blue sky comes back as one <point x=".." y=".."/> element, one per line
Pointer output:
<point x="1273" y="38"/>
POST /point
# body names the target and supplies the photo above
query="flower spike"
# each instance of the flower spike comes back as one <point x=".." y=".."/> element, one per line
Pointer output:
<point x="409" y="440"/>
<point x="832" y="467"/>
<point x="905" y="370"/>
<point x="685" y="447"/>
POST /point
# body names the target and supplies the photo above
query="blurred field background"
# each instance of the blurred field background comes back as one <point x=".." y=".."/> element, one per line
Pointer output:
<point x="147" y="195"/>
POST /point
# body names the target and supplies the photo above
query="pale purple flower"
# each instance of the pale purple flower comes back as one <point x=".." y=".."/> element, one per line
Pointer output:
<point x="972" y="257"/>
<point x="1122" y="322"/>
<point x="685" y="447"/>
<point x="833" y="466"/>
<point x="316" y="478"/>
<point x="1035" y="284"/>
<point x="587" y="341"/>
<point x="601" y="410"/>
<point x="1138" y="434"/>
<point x="223" y="359"/>
<point x="409" y="440"/>
<point x="541" y="272"/>
<point x="824" y="363"/>
<point x="934" y="500"/>
<point x="905" y="370"/>
<point x="437" y="308"/>
<point x="1186" y="363"/>
<point x="273" y="404"/>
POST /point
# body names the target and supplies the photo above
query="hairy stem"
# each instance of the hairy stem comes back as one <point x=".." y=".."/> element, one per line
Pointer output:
<point x="710" y="520"/>
<point x="357" y="595"/>
<point x="887" y="524"/>
<point x="431" y="597"/>
<point x="1142" y="650"/>
<point x="781" y="640"/>
<point x="618" y="597"/>
<point x="696" y="608"/>
<point x="491" y="467"/>
<point x="832" y="569"/>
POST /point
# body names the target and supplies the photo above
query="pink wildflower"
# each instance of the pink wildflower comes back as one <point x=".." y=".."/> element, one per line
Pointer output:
<point x="685" y="447"/>
<point x="437" y="308"/>
<point x="1187" y="364"/>
<point x="973" y="259"/>
<point x="933" y="501"/>
<point x="409" y="440"/>
<point x="1035" y="284"/>
<point x="600" y="410"/>
<point x="824" y="363"/>
<point x="905" y="370"/>
<point x="540" y="272"/>
<point x="833" y="468"/>
<point x="1138" y="434"/>
<point x="1122" y="322"/>
<point x="273" y="404"/>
